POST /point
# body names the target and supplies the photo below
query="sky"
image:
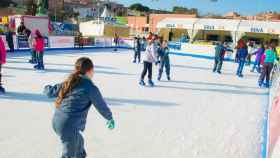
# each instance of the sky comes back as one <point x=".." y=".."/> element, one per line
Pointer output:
<point x="244" y="7"/>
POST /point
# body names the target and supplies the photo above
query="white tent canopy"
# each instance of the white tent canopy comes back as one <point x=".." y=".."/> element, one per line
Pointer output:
<point x="217" y="24"/>
<point x="259" y="26"/>
<point x="178" y="23"/>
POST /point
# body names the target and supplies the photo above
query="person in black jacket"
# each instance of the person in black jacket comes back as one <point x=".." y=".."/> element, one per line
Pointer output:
<point x="21" y="28"/>
<point x="74" y="99"/>
<point x="10" y="40"/>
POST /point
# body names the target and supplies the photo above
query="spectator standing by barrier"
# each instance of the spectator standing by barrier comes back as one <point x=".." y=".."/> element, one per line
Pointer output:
<point x="269" y="58"/>
<point x="116" y="41"/>
<point x="10" y="39"/>
<point x="2" y="62"/>
<point x="21" y="28"/>
<point x="242" y="52"/>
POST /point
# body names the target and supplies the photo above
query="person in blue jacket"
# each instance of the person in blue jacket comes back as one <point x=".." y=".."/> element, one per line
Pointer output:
<point x="242" y="53"/>
<point x="74" y="98"/>
<point x="219" y="57"/>
<point x="164" y="60"/>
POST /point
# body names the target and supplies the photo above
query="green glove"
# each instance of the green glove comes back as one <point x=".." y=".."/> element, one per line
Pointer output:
<point x="111" y="124"/>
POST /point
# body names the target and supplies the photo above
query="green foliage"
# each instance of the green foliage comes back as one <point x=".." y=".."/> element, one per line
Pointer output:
<point x="139" y="7"/>
<point x="6" y="3"/>
<point x="183" y="10"/>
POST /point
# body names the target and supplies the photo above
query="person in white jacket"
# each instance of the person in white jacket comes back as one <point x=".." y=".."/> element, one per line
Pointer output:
<point x="150" y="57"/>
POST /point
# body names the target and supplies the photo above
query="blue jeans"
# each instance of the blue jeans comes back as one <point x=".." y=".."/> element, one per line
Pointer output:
<point x="257" y="65"/>
<point x="241" y="64"/>
<point x="71" y="139"/>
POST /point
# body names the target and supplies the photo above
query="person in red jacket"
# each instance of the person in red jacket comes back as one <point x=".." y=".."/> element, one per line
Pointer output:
<point x="39" y="48"/>
<point x="2" y="61"/>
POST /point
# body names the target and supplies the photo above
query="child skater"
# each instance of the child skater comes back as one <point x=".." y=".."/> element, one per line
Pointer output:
<point x="39" y="48"/>
<point x="137" y="50"/>
<point x="149" y="58"/>
<point x="31" y="39"/>
<point x="73" y="101"/>
<point x="2" y="61"/>
<point x="164" y="60"/>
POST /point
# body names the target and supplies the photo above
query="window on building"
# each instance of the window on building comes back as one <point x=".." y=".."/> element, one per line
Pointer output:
<point x="228" y="39"/>
<point x="212" y="38"/>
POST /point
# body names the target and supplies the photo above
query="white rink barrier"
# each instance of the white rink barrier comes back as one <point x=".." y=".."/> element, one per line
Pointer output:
<point x="69" y="42"/>
<point x="61" y="41"/>
<point x="271" y="130"/>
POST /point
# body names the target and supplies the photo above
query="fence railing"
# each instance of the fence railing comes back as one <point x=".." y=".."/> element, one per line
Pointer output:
<point x="271" y="116"/>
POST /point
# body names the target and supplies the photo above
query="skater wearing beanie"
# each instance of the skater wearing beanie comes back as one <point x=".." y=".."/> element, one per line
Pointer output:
<point x="164" y="60"/>
<point x="257" y="62"/>
<point x="149" y="58"/>
<point x="137" y="49"/>
<point x="242" y="53"/>
<point x="219" y="57"/>
<point x="39" y="48"/>
<point x="74" y="98"/>
<point x="269" y="59"/>
<point x="2" y="61"/>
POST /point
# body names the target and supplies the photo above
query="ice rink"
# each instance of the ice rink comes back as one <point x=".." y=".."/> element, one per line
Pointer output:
<point x="198" y="114"/>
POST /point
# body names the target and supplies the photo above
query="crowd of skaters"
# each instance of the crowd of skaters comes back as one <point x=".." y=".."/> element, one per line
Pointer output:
<point x="156" y="52"/>
<point x="77" y="93"/>
<point x="35" y="43"/>
<point x="265" y="58"/>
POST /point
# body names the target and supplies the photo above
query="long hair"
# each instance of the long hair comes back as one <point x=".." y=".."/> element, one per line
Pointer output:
<point x="82" y="66"/>
<point x="38" y="34"/>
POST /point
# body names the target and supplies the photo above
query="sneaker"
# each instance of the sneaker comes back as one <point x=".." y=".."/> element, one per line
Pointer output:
<point x="2" y="90"/>
<point x="41" y="68"/>
<point x="168" y="78"/>
<point x="36" y="66"/>
<point x="142" y="83"/>
<point x="151" y="83"/>
<point x="266" y="85"/>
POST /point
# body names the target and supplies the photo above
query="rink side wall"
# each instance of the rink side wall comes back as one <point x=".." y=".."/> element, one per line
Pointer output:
<point x="271" y="128"/>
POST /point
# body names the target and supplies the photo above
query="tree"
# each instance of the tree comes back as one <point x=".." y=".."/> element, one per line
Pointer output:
<point x="139" y="7"/>
<point x="31" y="7"/>
<point x="5" y="3"/>
<point x="183" y="10"/>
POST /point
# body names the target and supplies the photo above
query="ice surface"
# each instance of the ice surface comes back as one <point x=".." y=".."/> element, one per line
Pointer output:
<point x="198" y="114"/>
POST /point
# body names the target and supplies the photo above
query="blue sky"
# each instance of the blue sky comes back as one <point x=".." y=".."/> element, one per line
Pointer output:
<point x="245" y="7"/>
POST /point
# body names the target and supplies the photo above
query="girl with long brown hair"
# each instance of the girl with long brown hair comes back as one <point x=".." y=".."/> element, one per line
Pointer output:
<point x="74" y="98"/>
